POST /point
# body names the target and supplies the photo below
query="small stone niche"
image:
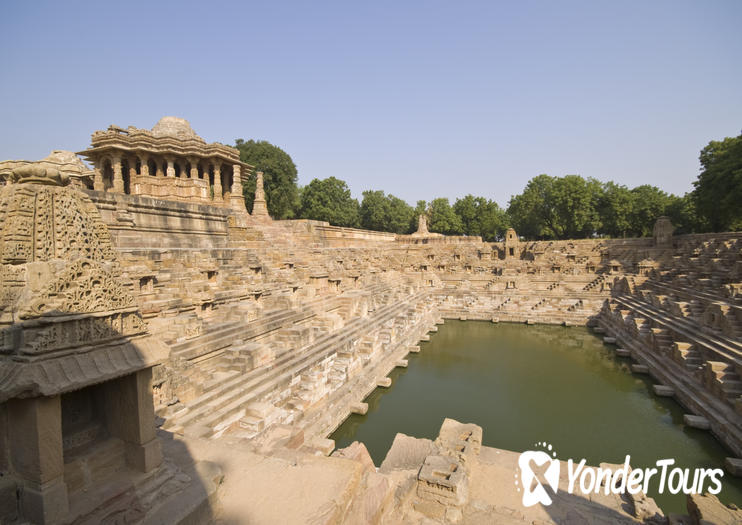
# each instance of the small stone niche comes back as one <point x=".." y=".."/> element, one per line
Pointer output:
<point x="147" y="284"/>
<point x="83" y="421"/>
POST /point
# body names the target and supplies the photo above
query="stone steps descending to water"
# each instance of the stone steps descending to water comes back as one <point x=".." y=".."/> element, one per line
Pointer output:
<point x="208" y="413"/>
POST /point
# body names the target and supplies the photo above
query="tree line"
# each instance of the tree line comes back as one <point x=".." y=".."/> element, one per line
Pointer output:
<point x="568" y="207"/>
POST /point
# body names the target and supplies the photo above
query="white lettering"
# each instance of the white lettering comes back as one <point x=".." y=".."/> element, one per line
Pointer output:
<point x="712" y="474"/>
<point x="572" y="475"/>
<point x="664" y="463"/>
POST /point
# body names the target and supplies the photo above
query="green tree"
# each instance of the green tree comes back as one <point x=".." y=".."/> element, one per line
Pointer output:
<point x="374" y="211"/>
<point x="279" y="177"/>
<point x="442" y="218"/>
<point x="684" y="215"/>
<point x="649" y="203"/>
<point x="528" y="211"/>
<point x="557" y="207"/>
<point x="401" y="215"/>
<point x="387" y="213"/>
<point x="329" y="200"/>
<point x="718" y="190"/>
<point x="480" y="216"/>
<point x="615" y="208"/>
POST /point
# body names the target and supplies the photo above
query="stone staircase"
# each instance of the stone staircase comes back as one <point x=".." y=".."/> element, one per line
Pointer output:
<point x="723" y="380"/>
<point x="216" y="409"/>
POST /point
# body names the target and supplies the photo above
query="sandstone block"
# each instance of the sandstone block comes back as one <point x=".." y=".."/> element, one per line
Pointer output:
<point x="694" y="421"/>
<point x="734" y="466"/>
<point x="406" y="453"/>
<point x="359" y="408"/>
<point x="357" y="452"/>
<point x="663" y="390"/>
<point x="706" y="508"/>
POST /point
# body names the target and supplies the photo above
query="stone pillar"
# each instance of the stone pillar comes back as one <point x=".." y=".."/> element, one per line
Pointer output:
<point x="259" y="207"/>
<point x="158" y="168"/>
<point x="98" y="179"/>
<point x="118" y="178"/>
<point x="237" y="199"/>
<point x="132" y="168"/>
<point x="170" y="167"/>
<point x="662" y="232"/>
<point x="217" y="181"/>
<point x="131" y="417"/>
<point x="194" y="168"/>
<point x="144" y="161"/>
<point x="36" y="453"/>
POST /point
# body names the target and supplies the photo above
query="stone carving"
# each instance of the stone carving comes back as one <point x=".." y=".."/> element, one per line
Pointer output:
<point x="422" y="224"/>
<point x="168" y="162"/>
<point x="59" y="283"/>
<point x="422" y="228"/>
<point x="260" y="208"/>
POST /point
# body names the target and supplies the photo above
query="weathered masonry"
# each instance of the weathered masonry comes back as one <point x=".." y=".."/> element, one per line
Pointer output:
<point x="169" y="162"/>
<point x="143" y="291"/>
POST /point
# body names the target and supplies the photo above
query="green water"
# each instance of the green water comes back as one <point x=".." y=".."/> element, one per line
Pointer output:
<point x="524" y="384"/>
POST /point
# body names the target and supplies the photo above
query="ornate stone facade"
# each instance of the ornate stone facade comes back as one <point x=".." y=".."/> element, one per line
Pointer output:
<point x="169" y="162"/>
<point x="75" y="353"/>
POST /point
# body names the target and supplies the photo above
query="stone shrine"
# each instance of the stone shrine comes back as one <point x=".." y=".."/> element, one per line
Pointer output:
<point x="169" y="162"/>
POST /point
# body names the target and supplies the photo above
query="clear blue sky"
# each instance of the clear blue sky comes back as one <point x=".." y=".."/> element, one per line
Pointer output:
<point x="420" y="99"/>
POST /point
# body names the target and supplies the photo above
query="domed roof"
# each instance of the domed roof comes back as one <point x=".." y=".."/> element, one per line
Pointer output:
<point x="174" y="127"/>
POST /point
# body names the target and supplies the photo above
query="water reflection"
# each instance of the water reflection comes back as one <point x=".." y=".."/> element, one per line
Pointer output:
<point x="525" y="384"/>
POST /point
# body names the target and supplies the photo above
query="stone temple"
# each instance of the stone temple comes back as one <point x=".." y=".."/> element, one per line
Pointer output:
<point x="167" y="357"/>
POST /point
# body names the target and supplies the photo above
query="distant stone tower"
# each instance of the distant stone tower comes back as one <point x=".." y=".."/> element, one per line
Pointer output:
<point x="259" y="207"/>
<point x="512" y="249"/>
<point x="422" y="224"/>
<point x="662" y="232"/>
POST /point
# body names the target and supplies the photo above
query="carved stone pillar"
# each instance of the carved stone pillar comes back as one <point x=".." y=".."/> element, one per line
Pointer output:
<point x="132" y="168"/>
<point x="98" y="180"/>
<point x="118" y="178"/>
<point x="217" y="181"/>
<point x="130" y="398"/>
<point x="259" y="207"/>
<point x="194" y="167"/>
<point x="170" y="167"/>
<point x="158" y="168"/>
<point x="36" y="448"/>
<point x="237" y="199"/>
<point x="144" y="162"/>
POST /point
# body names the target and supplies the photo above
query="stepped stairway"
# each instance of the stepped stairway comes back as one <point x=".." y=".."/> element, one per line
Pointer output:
<point x="224" y="334"/>
<point x="687" y="355"/>
<point x="225" y="402"/>
<point x="723" y="380"/>
<point x="718" y="345"/>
